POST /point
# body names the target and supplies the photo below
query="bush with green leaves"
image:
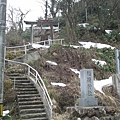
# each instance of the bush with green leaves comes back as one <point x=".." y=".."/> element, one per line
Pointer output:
<point x="113" y="36"/>
<point x="108" y="55"/>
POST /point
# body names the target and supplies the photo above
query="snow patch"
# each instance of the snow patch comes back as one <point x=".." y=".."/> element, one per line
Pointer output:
<point x="75" y="71"/>
<point x="97" y="45"/>
<point x="5" y="112"/>
<point x="75" y="46"/>
<point x="108" y="31"/>
<point x="36" y="46"/>
<point x="99" y="62"/>
<point x="58" y="84"/>
<point x="52" y="63"/>
<point x="99" y="84"/>
<point x="83" y="25"/>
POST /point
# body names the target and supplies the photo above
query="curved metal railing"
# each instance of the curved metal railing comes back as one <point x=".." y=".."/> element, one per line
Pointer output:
<point x="25" y="48"/>
<point x="33" y="74"/>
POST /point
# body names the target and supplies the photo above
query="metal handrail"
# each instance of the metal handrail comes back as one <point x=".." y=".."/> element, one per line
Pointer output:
<point x="27" y="47"/>
<point x="38" y="81"/>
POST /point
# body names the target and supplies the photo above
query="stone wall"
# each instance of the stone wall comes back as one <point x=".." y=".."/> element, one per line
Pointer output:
<point x="92" y="113"/>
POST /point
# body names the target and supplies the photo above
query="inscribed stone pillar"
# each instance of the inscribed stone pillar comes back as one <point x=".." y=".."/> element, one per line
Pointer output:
<point x="116" y="83"/>
<point x="87" y="88"/>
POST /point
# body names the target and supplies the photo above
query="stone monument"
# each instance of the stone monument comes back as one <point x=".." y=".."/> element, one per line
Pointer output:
<point x="87" y="98"/>
<point x="116" y="83"/>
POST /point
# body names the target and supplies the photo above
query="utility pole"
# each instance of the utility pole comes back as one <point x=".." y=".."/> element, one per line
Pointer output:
<point x="46" y="10"/>
<point x="58" y="15"/>
<point x="2" y="47"/>
<point x="86" y="16"/>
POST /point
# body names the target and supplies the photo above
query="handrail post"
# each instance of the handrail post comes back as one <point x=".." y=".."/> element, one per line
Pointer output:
<point x="117" y="61"/>
<point x="14" y="51"/>
<point x="25" y="48"/>
<point x="49" y="42"/>
<point x="14" y="83"/>
<point x="28" y="71"/>
<point x="36" y="77"/>
<point x="61" y="41"/>
<point x="51" y="113"/>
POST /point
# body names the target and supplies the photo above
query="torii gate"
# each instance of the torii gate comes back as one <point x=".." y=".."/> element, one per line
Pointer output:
<point x="41" y="23"/>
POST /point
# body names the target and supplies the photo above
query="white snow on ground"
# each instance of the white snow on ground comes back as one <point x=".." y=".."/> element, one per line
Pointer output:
<point x="36" y="46"/>
<point x="99" y="62"/>
<point x="52" y="63"/>
<point x="75" y="71"/>
<point x="75" y="46"/>
<point x="108" y="31"/>
<point x="99" y="84"/>
<point x="58" y="84"/>
<point x="83" y="24"/>
<point x="5" y="112"/>
<point x="97" y="45"/>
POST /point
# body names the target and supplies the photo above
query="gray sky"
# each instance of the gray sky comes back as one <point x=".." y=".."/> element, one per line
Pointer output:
<point x="36" y="8"/>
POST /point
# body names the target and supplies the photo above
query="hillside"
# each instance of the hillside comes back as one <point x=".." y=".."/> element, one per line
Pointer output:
<point x="59" y="68"/>
<point x="61" y="61"/>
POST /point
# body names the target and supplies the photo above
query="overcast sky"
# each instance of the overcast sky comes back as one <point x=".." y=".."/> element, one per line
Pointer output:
<point x="36" y="8"/>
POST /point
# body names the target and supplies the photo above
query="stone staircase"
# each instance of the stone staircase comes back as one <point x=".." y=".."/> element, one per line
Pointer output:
<point x="30" y="103"/>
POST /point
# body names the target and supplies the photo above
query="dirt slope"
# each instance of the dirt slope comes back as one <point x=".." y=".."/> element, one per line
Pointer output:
<point x="66" y="58"/>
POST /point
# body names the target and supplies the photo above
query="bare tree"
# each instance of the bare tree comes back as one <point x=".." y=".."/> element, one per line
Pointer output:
<point x="15" y="18"/>
<point x="21" y="18"/>
<point x="12" y="18"/>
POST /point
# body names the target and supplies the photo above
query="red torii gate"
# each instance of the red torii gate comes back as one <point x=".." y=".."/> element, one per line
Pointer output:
<point x="41" y="23"/>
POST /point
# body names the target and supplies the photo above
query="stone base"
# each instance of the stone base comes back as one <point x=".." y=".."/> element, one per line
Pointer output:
<point x="90" y="113"/>
<point x="87" y="102"/>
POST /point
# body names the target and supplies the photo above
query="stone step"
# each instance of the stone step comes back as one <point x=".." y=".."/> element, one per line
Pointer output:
<point x="24" y="111"/>
<point x="28" y="96"/>
<point x="21" y="81"/>
<point x="19" y="78"/>
<point x="41" y="118"/>
<point x="27" y="92"/>
<point x="30" y="102"/>
<point x="30" y="106"/>
<point x="33" y="115"/>
<point x="24" y="86"/>
<point x="24" y="83"/>
<point x="13" y="75"/>
<point x="26" y="89"/>
<point x="29" y="99"/>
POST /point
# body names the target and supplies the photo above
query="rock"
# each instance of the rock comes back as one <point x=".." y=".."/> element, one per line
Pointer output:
<point x="87" y="118"/>
<point x="78" y="118"/>
<point x="95" y="118"/>
<point x="104" y="118"/>
<point x="54" y="54"/>
<point x="102" y="111"/>
<point x="83" y="112"/>
<point x="91" y="112"/>
<point x="110" y="110"/>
